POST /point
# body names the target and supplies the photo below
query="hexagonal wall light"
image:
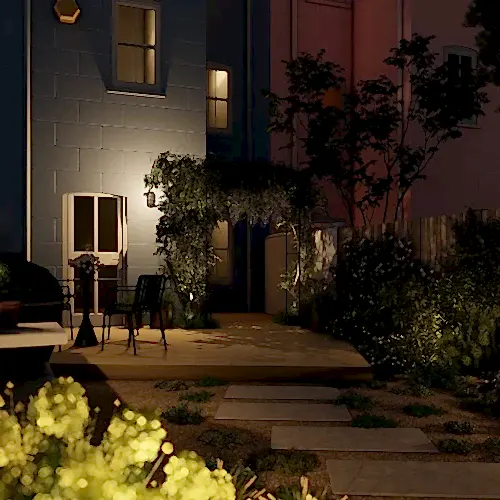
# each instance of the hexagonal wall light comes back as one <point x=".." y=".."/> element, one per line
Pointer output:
<point x="67" y="11"/>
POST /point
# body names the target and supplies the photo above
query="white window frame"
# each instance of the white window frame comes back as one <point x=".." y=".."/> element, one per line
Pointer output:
<point x="118" y="86"/>
<point x="463" y="52"/>
<point x="228" y="130"/>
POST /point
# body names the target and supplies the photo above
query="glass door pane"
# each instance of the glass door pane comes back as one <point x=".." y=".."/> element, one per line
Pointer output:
<point x="83" y="224"/>
<point x="107" y="224"/>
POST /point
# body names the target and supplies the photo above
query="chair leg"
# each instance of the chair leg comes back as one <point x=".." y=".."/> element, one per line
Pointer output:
<point x="109" y="326"/>
<point x="130" y="319"/>
<point x="162" y="329"/>
<point x="71" y="321"/>
<point x="103" y="331"/>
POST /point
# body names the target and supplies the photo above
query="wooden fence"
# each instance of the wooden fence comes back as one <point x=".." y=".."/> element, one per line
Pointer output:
<point x="432" y="237"/>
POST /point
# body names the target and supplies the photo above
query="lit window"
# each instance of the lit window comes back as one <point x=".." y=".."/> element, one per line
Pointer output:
<point x="136" y="45"/>
<point x="221" y="273"/>
<point x="461" y="63"/>
<point x="217" y="98"/>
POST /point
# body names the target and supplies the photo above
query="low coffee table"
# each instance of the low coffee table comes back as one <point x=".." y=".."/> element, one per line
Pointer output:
<point x="25" y="351"/>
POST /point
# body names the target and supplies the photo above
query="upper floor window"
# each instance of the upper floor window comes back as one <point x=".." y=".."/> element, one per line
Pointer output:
<point x="462" y="61"/>
<point x="136" y="45"/>
<point x="217" y="99"/>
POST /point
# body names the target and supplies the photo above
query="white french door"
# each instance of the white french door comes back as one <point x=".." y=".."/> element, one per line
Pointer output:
<point x="95" y="223"/>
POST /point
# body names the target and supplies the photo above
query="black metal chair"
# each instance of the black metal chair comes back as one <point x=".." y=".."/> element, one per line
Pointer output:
<point x="148" y="297"/>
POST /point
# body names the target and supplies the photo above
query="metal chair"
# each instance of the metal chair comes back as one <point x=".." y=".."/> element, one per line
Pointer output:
<point x="148" y="297"/>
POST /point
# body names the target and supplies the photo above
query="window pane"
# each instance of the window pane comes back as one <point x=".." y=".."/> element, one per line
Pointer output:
<point x="131" y="25"/>
<point x="217" y="84"/>
<point x="130" y="64"/>
<point x="221" y="269"/>
<point x="108" y="225"/>
<point x="150" y="27"/>
<point x="211" y="113"/>
<point x="149" y="66"/>
<point x="454" y="68"/>
<point x="83" y="224"/>
<point x="108" y="281"/>
<point x="220" y="114"/>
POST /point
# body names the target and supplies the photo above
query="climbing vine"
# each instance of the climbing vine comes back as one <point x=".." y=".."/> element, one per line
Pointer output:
<point x="198" y="193"/>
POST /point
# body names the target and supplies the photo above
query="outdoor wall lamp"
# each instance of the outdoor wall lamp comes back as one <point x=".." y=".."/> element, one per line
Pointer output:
<point x="67" y="11"/>
<point x="150" y="199"/>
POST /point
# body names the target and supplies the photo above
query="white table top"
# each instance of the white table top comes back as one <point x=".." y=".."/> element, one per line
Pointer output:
<point x="33" y="335"/>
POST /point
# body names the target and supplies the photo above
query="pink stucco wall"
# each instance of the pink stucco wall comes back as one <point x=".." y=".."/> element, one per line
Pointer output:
<point x="466" y="171"/>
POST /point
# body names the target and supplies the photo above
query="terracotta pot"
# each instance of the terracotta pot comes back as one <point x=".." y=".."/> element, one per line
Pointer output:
<point x="9" y="314"/>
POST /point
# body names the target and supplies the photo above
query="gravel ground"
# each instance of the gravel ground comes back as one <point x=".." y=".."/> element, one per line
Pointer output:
<point x="257" y="435"/>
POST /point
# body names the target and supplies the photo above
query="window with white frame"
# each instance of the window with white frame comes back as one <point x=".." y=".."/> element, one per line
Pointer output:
<point x="217" y="99"/>
<point x="462" y="61"/>
<point x="136" y="45"/>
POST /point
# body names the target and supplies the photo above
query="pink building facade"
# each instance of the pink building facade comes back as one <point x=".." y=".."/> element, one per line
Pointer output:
<point x="358" y="35"/>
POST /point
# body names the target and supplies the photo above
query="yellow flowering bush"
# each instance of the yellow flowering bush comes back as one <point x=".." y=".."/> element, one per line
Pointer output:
<point x="46" y="454"/>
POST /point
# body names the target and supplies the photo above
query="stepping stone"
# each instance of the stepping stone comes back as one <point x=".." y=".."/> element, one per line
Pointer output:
<point x="414" y="479"/>
<point x="276" y="392"/>
<point x="350" y="439"/>
<point x="295" y="412"/>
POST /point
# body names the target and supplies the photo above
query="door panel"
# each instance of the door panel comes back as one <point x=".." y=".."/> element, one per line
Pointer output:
<point x="95" y="223"/>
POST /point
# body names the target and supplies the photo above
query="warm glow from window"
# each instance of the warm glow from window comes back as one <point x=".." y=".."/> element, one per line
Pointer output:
<point x="217" y="98"/>
<point x="220" y="241"/>
<point x="136" y="40"/>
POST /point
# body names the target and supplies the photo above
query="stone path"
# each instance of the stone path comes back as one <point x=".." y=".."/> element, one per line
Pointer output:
<point x="294" y="412"/>
<point x="378" y="478"/>
<point x="415" y="479"/>
<point x="351" y="439"/>
<point x="278" y="392"/>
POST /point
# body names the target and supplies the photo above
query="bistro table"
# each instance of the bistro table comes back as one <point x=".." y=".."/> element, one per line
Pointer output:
<point x="25" y="351"/>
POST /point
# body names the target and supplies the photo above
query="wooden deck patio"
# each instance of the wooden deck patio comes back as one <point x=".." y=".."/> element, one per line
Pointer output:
<point x="247" y="347"/>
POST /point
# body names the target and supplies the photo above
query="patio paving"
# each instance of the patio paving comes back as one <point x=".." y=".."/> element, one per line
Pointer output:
<point x="292" y="412"/>
<point x="351" y="439"/>
<point x="284" y="392"/>
<point x="247" y="348"/>
<point x="415" y="479"/>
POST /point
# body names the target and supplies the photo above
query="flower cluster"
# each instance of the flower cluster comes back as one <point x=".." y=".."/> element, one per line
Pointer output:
<point x="87" y="263"/>
<point x="46" y="454"/>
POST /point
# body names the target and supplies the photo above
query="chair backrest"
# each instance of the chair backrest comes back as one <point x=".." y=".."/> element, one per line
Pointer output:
<point x="149" y="291"/>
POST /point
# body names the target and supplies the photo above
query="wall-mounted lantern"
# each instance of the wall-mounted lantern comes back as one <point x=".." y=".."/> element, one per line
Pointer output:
<point x="67" y="11"/>
<point x="151" y="199"/>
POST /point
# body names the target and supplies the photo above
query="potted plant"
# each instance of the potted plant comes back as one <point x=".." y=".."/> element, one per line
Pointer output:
<point x="9" y="306"/>
<point x="167" y="312"/>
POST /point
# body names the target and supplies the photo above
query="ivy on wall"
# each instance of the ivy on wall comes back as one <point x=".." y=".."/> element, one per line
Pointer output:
<point x="198" y="193"/>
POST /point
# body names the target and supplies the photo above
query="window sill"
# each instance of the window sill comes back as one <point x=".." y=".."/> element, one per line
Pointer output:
<point x="469" y="125"/>
<point x="137" y="94"/>
<point x="344" y="4"/>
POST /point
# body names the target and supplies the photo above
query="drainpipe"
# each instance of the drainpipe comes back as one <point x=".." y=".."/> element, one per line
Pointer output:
<point x="27" y="27"/>
<point x="400" y="13"/>
<point x="249" y="137"/>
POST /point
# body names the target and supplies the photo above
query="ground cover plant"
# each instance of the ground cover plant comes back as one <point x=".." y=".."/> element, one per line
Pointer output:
<point x="183" y="415"/>
<point x="197" y="397"/>
<point x="288" y="462"/>
<point x="355" y="401"/>
<point x="421" y="411"/>
<point x="369" y="421"/>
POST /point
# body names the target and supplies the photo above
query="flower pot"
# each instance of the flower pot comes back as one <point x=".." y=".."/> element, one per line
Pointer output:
<point x="167" y="318"/>
<point x="9" y="314"/>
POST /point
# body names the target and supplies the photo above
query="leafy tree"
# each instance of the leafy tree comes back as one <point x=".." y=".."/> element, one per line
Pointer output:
<point x="485" y="15"/>
<point x="374" y="146"/>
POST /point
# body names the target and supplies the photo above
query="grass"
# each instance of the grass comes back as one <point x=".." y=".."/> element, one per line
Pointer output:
<point x="197" y="397"/>
<point x="373" y="422"/>
<point x="355" y="401"/>
<point x="421" y="411"/>
<point x="457" y="446"/>
<point x="222" y="438"/>
<point x="209" y="382"/>
<point x="458" y="427"/>
<point x="182" y="415"/>
<point x="294" y="463"/>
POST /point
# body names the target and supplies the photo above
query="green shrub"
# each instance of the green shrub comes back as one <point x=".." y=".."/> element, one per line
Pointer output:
<point x="355" y="401"/>
<point x="373" y="422"/>
<point x="491" y="448"/>
<point x="414" y="390"/>
<point x="458" y="446"/>
<point x="222" y="438"/>
<point x="421" y="411"/>
<point x="173" y="385"/>
<point x="459" y="427"/>
<point x="378" y="384"/>
<point x="288" y="462"/>
<point x="197" y="397"/>
<point x="209" y="382"/>
<point x="182" y="415"/>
